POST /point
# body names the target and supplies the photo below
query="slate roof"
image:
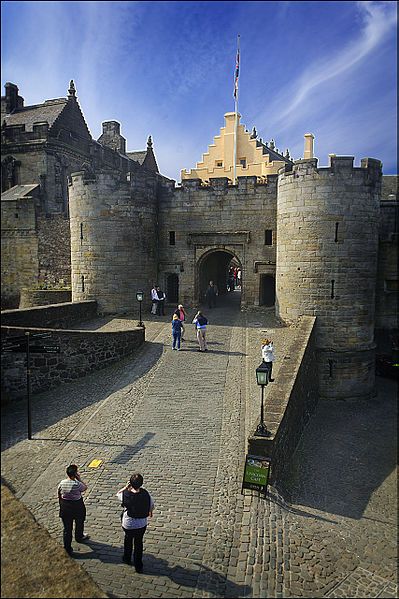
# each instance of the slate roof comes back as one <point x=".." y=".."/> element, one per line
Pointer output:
<point x="38" y="113"/>
<point x="18" y="191"/>
<point x="138" y="156"/>
<point x="272" y="153"/>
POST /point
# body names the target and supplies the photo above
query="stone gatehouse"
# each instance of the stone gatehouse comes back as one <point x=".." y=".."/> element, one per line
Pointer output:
<point x="310" y="240"/>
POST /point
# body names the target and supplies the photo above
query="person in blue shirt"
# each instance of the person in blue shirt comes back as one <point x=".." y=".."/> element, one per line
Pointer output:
<point x="176" y="332"/>
<point x="200" y="322"/>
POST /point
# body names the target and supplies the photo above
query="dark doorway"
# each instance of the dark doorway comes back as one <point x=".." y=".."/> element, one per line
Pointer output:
<point x="215" y="267"/>
<point x="172" y="288"/>
<point x="267" y="292"/>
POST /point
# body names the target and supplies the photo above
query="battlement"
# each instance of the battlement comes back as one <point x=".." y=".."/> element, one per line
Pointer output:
<point x="224" y="183"/>
<point x="338" y="165"/>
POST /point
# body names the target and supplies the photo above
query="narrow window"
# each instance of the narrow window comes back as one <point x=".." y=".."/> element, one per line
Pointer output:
<point x="330" y="366"/>
<point x="16" y="215"/>
<point x="83" y="283"/>
<point x="336" y="232"/>
<point x="219" y="163"/>
<point x="332" y="288"/>
<point x="243" y="162"/>
<point x="172" y="238"/>
<point x="268" y="237"/>
<point x="81" y="233"/>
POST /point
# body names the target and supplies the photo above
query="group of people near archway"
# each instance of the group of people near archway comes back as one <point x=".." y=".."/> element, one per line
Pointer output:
<point x="234" y="278"/>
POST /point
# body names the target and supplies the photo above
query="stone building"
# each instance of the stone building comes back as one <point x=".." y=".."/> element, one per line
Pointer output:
<point x="41" y="146"/>
<point x="310" y="240"/>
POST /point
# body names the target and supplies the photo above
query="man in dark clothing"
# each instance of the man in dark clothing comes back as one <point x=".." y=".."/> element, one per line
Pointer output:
<point x="211" y="294"/>
<point x="161" y="302"/>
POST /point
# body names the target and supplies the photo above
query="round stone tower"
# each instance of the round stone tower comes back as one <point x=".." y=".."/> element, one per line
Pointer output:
<point x="113" y="238"/>
<point x="327" y="246"/>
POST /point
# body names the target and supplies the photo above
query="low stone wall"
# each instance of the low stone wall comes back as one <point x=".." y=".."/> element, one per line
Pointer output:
<point x="43" y="297"/>
<point x="53" y="316"/>
<point x="81" y="352"/>
<point x="289" y="403"/>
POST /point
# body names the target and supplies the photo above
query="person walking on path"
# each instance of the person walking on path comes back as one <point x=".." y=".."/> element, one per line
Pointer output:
<point x="72" y="507"/>
<point x="268" y="356"/>
<point x="211" y="294"/>
<point x="239" y="274"/>
<point x="137" y="505"/>
<point x="161" y="302"/>
<point x="154" y="300"/>
<point x="181" y="315"/>
<point x="176" y="332"/>
<point x="201" y="322"/>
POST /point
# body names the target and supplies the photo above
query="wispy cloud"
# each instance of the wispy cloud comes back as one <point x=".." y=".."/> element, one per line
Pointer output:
<point x="378" y="21"/>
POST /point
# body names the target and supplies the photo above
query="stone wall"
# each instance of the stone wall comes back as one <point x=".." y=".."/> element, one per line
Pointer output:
<point x="54" y="250"/>
<point x="289" y="403"/>
<point x="19" y="249"/>
<point x="57" y="316"/>
<point x="327" y="228"/>
<point x="43" y="297"/>
<point x="113" y="238"/>
<point x="81" y="352"/>
<point x="217" y="217"/>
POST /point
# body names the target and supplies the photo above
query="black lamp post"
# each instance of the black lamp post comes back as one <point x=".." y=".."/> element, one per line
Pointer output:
<point x="262" y="378"/>
<point x="140" y="297"/>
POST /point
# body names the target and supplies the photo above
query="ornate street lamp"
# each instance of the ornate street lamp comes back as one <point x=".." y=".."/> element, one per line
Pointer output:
<point x="262" y="378"/>
<point x="140" y="297"/>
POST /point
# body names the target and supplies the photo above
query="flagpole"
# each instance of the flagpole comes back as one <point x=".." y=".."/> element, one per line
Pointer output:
<point x="236" y="113"/>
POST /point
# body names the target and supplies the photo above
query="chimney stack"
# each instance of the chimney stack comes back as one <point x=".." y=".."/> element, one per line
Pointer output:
<point x="308" y="152"/>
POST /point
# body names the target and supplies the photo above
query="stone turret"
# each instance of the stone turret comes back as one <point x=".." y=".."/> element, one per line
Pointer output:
<point x="327" y="231"/>
<point x="113" y="238"/>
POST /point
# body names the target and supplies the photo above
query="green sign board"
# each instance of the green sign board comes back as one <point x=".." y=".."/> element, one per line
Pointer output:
<point x="256" y="473"/>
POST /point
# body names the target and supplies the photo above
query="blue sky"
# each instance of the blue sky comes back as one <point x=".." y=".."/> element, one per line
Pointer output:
<point x="166" y="69"/>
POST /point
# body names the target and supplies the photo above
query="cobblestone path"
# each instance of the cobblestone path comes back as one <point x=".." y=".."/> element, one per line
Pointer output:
<point x="182" y="419"/>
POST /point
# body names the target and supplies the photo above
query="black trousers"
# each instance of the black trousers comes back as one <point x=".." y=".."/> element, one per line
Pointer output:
<point x="134" y="535"/>
<point x="70" y="512"/>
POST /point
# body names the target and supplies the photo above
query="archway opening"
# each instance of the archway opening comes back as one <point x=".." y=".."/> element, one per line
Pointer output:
<point x="216" y="266"/>
<point x="267" y="291"/>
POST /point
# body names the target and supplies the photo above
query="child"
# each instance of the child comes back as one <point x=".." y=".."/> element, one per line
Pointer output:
<point x="176" y="332"/>
<point x="268" y="356"/>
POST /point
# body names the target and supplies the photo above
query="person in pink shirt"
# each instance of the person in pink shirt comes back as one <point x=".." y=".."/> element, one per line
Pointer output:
<point x="181" y="315"/>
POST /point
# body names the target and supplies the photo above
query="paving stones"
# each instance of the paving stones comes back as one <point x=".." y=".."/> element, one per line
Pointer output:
<point x="183" y="418"/>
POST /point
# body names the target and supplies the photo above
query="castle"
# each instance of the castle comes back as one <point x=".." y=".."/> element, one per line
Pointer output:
<point x="310" y="240"/>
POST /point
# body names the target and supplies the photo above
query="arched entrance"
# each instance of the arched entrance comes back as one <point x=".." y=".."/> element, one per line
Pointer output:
<point x="214" y="266"/>
<point x="267" y="291"/>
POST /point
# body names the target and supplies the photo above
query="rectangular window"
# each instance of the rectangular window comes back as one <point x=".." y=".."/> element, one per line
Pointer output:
<point x="243" y="162"/>
<point x="268" y="237"/>
<point x="172" y="238"/>
<point x="336" y="232"/>
<point x="219" y="163"/>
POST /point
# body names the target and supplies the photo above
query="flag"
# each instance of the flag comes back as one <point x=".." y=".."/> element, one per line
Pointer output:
<point x="237" y="71"/>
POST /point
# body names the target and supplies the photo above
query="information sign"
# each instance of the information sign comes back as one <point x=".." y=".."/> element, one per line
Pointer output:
<point x="256" y="473"/>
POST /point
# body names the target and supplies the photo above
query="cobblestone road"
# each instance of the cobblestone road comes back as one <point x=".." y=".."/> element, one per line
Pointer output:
<point x="182" y="419"/>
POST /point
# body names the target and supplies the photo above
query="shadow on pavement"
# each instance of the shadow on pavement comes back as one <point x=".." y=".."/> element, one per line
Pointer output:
<point x="196" y="578"/>
<point x="56" y="405"/>
<point x="346" y="453"/>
